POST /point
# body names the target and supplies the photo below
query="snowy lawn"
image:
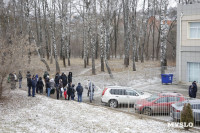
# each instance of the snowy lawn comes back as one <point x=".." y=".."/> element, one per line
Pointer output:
<point x="40" y="114"/>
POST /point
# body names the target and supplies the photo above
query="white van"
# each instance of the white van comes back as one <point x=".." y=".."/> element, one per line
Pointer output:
<point x="115" y="95"/>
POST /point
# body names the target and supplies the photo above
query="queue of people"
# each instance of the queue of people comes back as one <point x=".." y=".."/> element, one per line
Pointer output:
<point x="61" y="84"/>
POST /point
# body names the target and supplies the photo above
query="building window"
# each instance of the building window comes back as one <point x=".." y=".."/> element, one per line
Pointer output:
<point x="194" y="30"/>
<point x="193" y="71"/>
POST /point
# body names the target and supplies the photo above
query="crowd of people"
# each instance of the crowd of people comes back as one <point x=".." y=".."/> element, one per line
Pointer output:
<point x="60" y="84"/>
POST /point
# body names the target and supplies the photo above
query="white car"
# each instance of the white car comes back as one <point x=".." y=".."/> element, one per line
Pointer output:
<point x="115" y="95"/>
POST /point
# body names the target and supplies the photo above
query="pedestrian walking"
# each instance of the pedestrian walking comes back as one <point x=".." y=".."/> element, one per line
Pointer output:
<point x="52" y="86"/>
<point x="65" y="93"/>
<point x="20" y="77"/>
<point x="79" y="90"/>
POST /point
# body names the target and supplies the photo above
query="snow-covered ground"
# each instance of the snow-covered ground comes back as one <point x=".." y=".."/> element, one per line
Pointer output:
<point x="20" y="113"/>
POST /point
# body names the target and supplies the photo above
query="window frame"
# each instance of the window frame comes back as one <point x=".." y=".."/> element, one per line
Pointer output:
<point x="188" y="30"/>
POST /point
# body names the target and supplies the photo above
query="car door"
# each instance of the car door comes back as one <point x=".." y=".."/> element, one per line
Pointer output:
<point x="119" y="95"/>
<point x="160" y="105"/>
<point x="171" y="100"/>
<point x="132" y="96"/>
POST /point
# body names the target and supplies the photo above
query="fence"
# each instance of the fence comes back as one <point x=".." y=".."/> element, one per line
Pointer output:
<point x="141" y="101"/>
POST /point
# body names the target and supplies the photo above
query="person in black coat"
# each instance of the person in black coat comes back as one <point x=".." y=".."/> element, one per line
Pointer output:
<point x="29" y="84"/>
<point x="28" y="75"/>
<point x="45" y="80"/>
<point x="57" y="78"/>
<point x="69" y="90"/>
<point x="70" y="77"/>
<point x="194" y="89"/>
<point x="40" y="85"/>
<point x="64" y="79"/>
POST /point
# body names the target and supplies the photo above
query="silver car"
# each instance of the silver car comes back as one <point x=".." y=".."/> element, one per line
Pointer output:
<point x="176" y="109"/>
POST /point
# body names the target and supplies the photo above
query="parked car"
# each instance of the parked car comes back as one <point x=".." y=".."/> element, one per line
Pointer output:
<point x="159" y="103"/>
<point x="115" y="95"/>
<point x="177" y="108"/>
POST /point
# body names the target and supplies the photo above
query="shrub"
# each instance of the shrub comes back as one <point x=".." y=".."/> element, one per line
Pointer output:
<point x="187" y="116"/>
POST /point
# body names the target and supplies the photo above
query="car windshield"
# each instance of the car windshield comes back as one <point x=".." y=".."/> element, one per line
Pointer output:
<point x="139" y="92"/>
<point x="152" y="98"/>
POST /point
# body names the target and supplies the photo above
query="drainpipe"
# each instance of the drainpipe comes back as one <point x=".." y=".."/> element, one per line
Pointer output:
<point x="180" y="47"/>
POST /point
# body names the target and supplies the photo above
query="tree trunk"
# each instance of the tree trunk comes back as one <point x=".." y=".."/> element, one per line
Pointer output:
<point x="134" y="6"/>
<point x="30" y="33"/>
<point x="126" y="31"/>
<point x="102" y="39"/>
<point x="45" y="30"/>
<point x="164" y="33"/>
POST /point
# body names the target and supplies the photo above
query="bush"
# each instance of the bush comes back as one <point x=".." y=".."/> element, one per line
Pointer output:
<point x="187" y="116"/>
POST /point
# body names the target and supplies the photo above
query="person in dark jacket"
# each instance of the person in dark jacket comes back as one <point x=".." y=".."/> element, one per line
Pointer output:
<point x="29" y="84"/>
<point x="79" y="90"/>
<point x="194" y="89"/>
<point x="48" y="87"/>
<point x="45" y="75"/>
<point x="37" y="78"/>
<point x="64" y="79"/>
<point x="28" y="75"/>
<point x="73" y="92"/>
<point x="70" y="77"/>
<point x="34" y="82"/>
<point x="69" y="90"/>
<point x="40" y="85"/>
<point x="20" y="79"/>
<point x="47" y="78"/>
<point x="57" y="78"/>
<point x="58" y="88"/>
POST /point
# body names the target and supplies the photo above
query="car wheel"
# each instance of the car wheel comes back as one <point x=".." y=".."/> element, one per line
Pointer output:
<point x="113" y="103"/>
<point x="147" y="111"/>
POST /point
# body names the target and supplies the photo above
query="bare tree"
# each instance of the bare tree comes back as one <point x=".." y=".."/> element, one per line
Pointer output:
<point x="133" y="28"/>
<point x="126" y="31"/>
<point x="164" y="33"/>
<point x="53" y="35"/>
<point x="32" y="35"/>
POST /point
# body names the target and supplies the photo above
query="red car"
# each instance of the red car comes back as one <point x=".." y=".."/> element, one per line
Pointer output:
<point x="158" y="103"/>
